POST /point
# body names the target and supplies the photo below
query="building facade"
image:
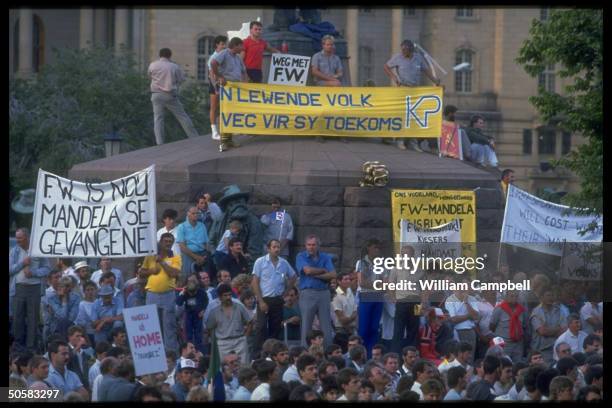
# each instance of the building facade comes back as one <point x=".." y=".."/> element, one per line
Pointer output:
<point x="489" y="39"/>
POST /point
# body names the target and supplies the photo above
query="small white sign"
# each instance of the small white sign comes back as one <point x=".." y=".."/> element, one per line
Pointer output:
<point x="146" y="341"/>
<point x="287" y="69"/>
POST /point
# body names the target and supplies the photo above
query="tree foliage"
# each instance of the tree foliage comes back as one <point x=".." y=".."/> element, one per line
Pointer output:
<point x="60" y="117"/>
<point x="573" y="39"/>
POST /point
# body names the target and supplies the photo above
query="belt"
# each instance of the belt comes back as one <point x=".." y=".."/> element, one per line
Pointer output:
<point x="465" y="329"/>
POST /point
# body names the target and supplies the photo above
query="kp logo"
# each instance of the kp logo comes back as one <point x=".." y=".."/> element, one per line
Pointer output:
<point x="411" y="109"/>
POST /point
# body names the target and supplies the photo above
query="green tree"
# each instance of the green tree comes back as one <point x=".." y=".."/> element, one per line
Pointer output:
<point x="573" y="39"/>
<point x="60" y="117"/>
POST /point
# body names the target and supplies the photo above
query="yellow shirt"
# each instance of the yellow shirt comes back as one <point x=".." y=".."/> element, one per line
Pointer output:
<point x="504" y="188"/>
<point x="161" y="282"/>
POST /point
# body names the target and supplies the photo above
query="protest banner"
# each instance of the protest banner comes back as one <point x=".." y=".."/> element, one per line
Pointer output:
<point x="114" y="219"/>
<point x="331" y="111"/>
<point x="431" y="208"/>
<point x="449" y="144"/>
<point x="539" y="225"/>
<point x="146" y="341"/>
<point x="582" y="261"/>
<point x="288" y="69"/>
<point x="442" y="241"/>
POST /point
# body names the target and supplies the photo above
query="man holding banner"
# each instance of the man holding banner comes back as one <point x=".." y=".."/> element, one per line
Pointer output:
<point x="252" y="55"/>
<point x="228" y="66"/>
<point x="404" y="69"/>
<point x="326" y="66"/>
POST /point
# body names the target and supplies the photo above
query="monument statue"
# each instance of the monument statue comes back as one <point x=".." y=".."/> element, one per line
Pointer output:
<point x="233" y="203"/>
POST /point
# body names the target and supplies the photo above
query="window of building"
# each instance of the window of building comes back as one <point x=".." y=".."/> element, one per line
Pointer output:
<point x="409" y="12"/>
<point x="566" y="143"/>
<point x="527" y="140"/>
<point x="366" y="64"/>
<point x="465" y="12"/>
<point x="463" y="78"/>
<point x="206" y="47"/>
<point x="38" y="45"/>
<point x="366" y="10"/>
<point x="547" y="140"/>
<point x="546" y="79"/>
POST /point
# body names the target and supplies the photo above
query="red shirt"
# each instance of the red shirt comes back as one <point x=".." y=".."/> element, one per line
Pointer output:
<point x="253" y="52"/>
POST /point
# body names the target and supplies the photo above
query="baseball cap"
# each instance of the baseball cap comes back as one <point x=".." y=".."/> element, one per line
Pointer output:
<point x="499" y="341"/>
<point x="185" y="363"/>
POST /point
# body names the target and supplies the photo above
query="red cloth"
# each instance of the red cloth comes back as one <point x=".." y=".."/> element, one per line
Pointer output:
<point x="516" y="328"/>
<point x="427" y="343"/>
<point x="253" y="52"/>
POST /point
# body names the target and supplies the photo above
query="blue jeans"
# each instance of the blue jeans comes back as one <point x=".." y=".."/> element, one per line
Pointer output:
<point x="369" y="321"/>
<point x="483" y="154"/>
<point x="193" y="329"/>
<point x="166" y="302"/>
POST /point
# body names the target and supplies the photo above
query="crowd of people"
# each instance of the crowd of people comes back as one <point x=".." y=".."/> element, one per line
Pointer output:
<point x="240" y="60"/>
<point x="292" y="326"/>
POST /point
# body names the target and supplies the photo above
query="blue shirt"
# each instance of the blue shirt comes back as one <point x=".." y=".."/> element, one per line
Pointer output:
<point x="242" y="394"/>
<point x="98" y="310"/>
<point x="272" y="278"/>
<point x="180" y="391"/>
<point x="194" y="238"/>
<point x="323" y="261"/>
<point x="65" y="383"/>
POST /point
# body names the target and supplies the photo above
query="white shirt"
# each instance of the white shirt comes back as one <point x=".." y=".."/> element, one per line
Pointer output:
<point x="176" y="249"/>
<point x="165" y="76"/>
<point x="261" y="393"/>
<point x="485" y="309"/>
<point x="445" y="365"/>
<point x="456" y="307"/>
<point x="586" y="312"/>
<point x="575" y="342"/>
<point x="95" y="277"/>
<point x="94" y="387"/>
<point x="291" y="374"/>
<point x="342" y="398"/>
<point x="416" y="387"/>
<point x="344" y="302"/>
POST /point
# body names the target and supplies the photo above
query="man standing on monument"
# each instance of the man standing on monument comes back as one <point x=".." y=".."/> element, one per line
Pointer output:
<point x="228" y="66"/>
<point x="252" y="55"/>
<point x="315" y="269"/>
<point x="166" y="76"/>
<point x="405" y="69"/>
<point x="326" y="66"/>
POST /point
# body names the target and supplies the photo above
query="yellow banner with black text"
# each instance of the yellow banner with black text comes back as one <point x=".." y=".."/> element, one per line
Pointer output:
<point x="262" y="109"/>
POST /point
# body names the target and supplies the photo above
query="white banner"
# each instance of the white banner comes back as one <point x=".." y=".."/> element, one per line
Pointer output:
<point x="287" y="69"/>
<point x="582" y="261"/>
<point x="146" y="341"/>
<point x="115" y="219"/>
<point x="538" y="225"/>
<point x="443" y="241"/>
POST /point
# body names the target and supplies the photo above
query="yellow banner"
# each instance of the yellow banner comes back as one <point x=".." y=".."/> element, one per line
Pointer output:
<point x="431" y="208"/>
<point x="262" y="109"/>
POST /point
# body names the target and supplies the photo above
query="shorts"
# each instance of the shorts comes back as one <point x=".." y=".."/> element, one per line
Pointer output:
<point x="256" y="75"/>
<point x="213" y="89"/>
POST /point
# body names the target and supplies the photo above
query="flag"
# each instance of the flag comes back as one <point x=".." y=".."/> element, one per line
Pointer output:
<point x="280" y="216"/>
<point x="215" y="376"/>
